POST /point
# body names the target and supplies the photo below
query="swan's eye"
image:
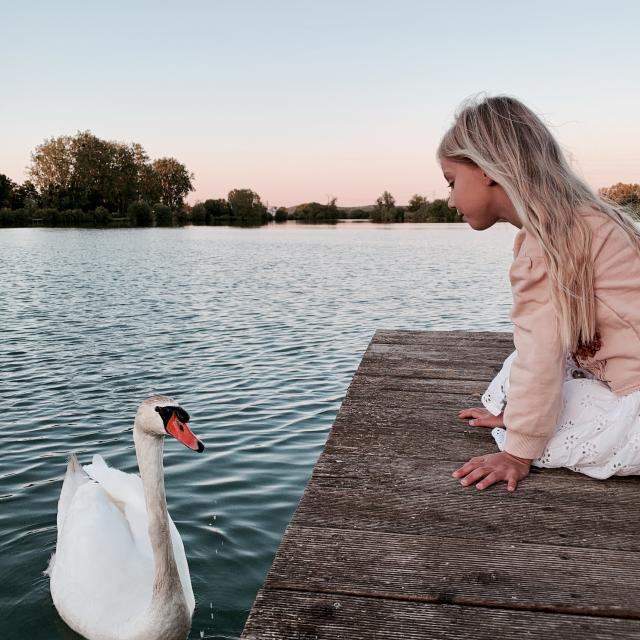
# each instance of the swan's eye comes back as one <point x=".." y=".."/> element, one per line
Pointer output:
<point x="182" y="415"/>
<point x="165" y="413"/>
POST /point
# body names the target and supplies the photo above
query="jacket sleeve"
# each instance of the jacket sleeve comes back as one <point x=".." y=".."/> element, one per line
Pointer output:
<point x="534" y="396"/>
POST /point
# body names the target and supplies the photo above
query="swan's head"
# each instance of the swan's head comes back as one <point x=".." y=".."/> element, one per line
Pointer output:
<point x="161" y="415"/>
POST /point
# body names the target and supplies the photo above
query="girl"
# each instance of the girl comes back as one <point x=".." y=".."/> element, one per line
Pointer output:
<point x="572" y="385"/>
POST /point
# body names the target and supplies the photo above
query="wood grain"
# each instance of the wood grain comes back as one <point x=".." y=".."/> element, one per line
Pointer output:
<point x="386" y="544"/>
<point x="288" y="615"/>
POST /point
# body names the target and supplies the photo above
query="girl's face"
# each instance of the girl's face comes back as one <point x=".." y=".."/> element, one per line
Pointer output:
<point x="473" y="194"/>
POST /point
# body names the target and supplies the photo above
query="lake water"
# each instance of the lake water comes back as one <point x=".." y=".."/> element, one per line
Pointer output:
<point x="257" y="332"/>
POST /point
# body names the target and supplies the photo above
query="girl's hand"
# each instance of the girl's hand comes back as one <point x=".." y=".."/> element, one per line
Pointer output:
<point x="481" y="417"/>
<point x="493" y="468"/>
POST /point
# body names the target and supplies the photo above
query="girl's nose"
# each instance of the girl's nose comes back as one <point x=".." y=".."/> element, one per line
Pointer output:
<point x="450" y="202"/>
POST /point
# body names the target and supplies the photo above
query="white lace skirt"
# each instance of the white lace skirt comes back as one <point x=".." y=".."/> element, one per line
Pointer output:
<point x="598" y="433"/>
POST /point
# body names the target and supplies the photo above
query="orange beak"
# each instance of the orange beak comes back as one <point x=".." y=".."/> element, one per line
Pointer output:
<point x="180" y="431"/>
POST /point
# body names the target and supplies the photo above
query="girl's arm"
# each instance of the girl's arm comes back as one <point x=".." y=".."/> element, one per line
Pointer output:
<point x="536" y="376"/>
<point x="535" y="379"/>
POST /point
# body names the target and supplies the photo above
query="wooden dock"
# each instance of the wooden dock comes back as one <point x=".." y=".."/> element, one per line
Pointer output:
<point x="386" y="544"/>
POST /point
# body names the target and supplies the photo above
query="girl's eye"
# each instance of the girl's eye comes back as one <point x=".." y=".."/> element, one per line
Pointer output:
<point x="451" y="185"/>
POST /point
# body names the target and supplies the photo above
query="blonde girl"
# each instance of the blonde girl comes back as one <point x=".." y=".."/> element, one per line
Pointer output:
<point x="569" y="395"/>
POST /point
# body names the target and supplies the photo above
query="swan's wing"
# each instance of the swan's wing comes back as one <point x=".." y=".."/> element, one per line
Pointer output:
<point x="126" y="489"/>
<point x="138" y="523"/>
<point x="122" y="487"/>
<point x="74" y="478"/>
<point x="99" y="579"/>
<point x="183" y="567"/>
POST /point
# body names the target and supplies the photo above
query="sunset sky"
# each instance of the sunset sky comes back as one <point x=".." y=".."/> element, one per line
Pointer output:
<point x="302" y="100"/>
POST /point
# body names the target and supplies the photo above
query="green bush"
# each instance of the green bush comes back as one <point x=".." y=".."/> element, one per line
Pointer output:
<point x="7" y="217"/>
<point x="101" y="217"/>
<point x="316" y="212"/>
<point x="217" y="211"/>
<point x="199" y="214"/>
<point x="163" y="215"/>
<point x="281" y="215"/>
<point x="358" y="214"/>
<point x="436" y="211"/>
<point x="182" y="217"/>
<point x="140" y="214"/>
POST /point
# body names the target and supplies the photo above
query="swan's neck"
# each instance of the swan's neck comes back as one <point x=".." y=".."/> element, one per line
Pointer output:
<point x="149" y="450"/>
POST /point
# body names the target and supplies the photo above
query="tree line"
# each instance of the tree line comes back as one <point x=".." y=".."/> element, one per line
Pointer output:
<point x="82" y="180"/>
<point x="419" y="209"/>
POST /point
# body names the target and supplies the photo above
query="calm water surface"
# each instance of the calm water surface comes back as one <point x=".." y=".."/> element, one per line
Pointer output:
<point x="256" y="332"/>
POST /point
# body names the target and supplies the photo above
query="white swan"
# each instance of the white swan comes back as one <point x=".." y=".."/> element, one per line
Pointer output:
<point x="119" y="571"/>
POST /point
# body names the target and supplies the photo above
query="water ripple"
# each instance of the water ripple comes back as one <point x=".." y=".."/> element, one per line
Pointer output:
<point x="257" y="332"/>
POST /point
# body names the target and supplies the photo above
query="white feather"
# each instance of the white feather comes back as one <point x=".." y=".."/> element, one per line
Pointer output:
<point x="102" y="573"/>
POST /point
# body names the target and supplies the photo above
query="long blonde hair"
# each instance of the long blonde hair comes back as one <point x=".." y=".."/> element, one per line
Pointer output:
<point x="512" y="146"/>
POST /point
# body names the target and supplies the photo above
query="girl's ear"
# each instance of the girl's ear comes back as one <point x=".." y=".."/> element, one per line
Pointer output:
<point x="488" y="181"/>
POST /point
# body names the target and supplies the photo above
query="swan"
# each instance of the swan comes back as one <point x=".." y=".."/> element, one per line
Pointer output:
<point x="119" y="571"/>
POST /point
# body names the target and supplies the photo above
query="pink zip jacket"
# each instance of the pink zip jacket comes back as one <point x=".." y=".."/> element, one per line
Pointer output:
<point x="534" y="397"/>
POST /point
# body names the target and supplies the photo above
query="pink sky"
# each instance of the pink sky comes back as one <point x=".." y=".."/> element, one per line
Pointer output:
<point x="307" y="101"/>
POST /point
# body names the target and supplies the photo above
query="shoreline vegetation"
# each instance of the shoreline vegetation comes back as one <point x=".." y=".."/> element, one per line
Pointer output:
<point x="84" y="181"/>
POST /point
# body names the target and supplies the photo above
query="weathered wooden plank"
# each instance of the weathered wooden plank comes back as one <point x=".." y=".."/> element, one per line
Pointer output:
<point x="458" y="571"/>
<point x="386" y="544"/>
<point x="433" y="361"/>
<point x="461" y="337"/>
<point x="458" y="352"/>
<point x="424" y="434"/>
<point x="463" y="353"/>
<point x="414" y="392"/>
<point x="388" y="381"/>
<point x="427" y="370"/>
<point x="290" y="615"/>
<point x="446" y="388"/>
<point x="419" y="497"/>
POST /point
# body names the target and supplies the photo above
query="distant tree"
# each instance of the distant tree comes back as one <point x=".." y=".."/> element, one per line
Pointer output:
<point x="24" y="195"/>
<point x="316" y="212"/>
<point x="439" y="211"/>
<point x="217" y="211"/>
<point x="622" y="193"/>
<point x="385" y="210"/>
<point x="7" y="188"/>
<point x="246" y="207"/>
<point x="282" y="215"/>
<point x="51" y="170"/>
<point x="84" y="171"/>
<point x="416" y="202"/>
<point x="148" y="187"/>
<point x="174" y="181"/>
<point x="91" y="171"/>
<point x="122" y="185"/>
<point x="436" y="211"/>
<point x="148" y="184"/>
